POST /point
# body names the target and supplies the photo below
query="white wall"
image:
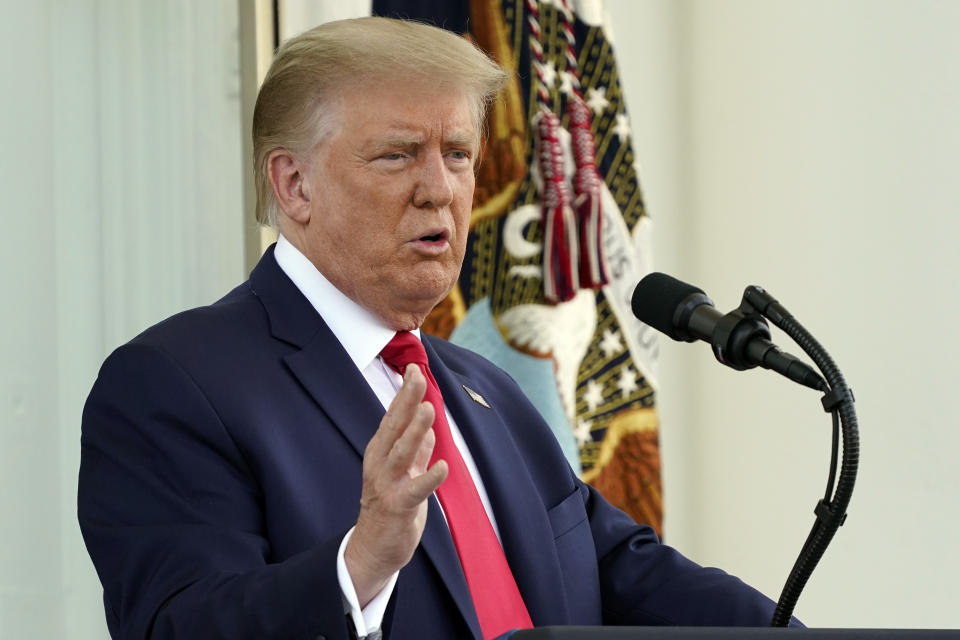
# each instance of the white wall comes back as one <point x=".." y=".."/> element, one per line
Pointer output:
<point x="121" y="183"/>
<point x="810" y="146"/>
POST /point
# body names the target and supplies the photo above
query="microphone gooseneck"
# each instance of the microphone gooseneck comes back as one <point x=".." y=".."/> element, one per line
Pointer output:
<point x="838" y="400"/>
<point x="741" y="340"/>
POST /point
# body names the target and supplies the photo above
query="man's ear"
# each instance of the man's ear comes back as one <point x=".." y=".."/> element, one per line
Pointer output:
<point x="288" y="177"/>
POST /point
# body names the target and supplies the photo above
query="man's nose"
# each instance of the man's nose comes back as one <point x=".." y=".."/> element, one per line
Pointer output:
<point x="433" y="188"/>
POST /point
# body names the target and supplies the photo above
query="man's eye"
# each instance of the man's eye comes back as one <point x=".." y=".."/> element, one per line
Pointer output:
<point x="459" y="155"/>
<point x="396" y="155"/>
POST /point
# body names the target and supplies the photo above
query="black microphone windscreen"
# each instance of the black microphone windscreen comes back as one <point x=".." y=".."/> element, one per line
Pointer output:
<point x="656" y="298"/>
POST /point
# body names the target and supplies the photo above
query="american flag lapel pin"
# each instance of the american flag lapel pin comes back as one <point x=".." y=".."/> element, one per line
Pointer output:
<point x="476" y="397"/>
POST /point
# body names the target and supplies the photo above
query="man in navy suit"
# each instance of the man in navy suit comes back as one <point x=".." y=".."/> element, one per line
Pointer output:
<point x="255" y="468"/>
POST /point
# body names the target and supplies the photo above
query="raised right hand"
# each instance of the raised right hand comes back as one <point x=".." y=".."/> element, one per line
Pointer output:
<point x="396" y="485"/>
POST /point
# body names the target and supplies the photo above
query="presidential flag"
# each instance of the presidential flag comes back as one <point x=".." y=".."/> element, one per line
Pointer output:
<point x="559" y="238"/>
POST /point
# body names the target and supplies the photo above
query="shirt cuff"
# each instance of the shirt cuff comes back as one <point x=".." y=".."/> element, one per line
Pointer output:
<point x="370" y="618"/>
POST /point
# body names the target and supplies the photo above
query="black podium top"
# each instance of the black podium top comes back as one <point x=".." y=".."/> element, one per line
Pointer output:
<point x="727" y="633"/>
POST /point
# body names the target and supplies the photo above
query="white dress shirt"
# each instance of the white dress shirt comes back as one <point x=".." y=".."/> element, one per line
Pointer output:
<point x="363" y="336"/>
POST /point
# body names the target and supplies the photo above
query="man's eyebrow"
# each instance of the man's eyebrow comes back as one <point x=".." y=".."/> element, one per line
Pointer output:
<point x="461" y="139"/>
<point x="389" y="145"/>
<point x="398" y="139"/>
<point x="402" y="140"/>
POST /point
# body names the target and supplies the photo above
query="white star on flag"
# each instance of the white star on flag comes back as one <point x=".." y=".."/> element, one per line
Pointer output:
<point x="628" y="381"/>
<point x="594" y="395"/>
<point x="610" y="343"/>
<point x="597" y="99"/>
<point x="549" y="71"/>
<point x="582" y="432"/>
<point x="622" y="128"/>
<point x="566" y="83"/>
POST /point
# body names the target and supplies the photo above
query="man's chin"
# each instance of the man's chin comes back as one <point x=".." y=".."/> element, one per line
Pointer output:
<point x="424" y="301"/>
<point x="429" y="281"/>
<point x="407" y="309"/>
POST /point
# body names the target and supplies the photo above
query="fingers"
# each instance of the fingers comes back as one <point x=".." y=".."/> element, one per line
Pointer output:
<point x="404" y="405"/>
<point x="422" y="486"/>
<point x="397" y="480"/>
<point x="413" y="444"/>
<point x="420" y="481"/>
<point x="424" y="452"/>
<point x="400" y="451"/>
<point x="399" y="415"/>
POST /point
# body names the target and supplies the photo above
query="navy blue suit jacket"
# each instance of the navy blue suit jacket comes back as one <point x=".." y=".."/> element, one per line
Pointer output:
<point x="221" y="466"/>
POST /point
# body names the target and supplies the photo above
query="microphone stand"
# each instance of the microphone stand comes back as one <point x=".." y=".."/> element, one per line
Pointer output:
<point x="838" y="400"/>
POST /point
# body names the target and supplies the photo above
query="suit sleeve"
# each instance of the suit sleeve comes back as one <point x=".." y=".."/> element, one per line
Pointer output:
<point x="631" y="578"/>
<point x="171" y="513"/>
<point x="645" y="582"/>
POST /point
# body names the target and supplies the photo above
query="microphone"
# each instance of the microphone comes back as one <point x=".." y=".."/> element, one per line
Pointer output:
<point x="740" y="339"/>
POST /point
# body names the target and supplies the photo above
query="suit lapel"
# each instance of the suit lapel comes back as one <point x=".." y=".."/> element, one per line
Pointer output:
<point x="322" y="365"/>
<point x="326" y="372"/>
<point x="330" y="377"/>
<point x="521" y="515"/>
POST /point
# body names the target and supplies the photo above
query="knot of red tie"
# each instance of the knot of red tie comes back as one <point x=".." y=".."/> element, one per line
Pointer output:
<point x="403" y="349"/>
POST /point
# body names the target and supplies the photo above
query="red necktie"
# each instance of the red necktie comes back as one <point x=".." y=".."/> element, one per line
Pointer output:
<point x="495" y="595"/>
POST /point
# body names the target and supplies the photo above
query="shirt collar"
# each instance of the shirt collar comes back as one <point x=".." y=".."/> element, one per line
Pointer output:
<point x="362" y="334"/>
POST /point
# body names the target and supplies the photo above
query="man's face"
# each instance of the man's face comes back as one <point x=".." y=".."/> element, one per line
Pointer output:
<point x="390" y="196"/>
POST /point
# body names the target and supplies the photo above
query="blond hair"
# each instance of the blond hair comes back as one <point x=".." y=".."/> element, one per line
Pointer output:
<point x="309" y="70"/>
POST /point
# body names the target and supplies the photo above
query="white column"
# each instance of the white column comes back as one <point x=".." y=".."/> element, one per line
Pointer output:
<point x="122" y="204"/>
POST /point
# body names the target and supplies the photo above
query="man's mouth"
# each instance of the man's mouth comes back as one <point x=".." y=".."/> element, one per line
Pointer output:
<point x="434" y="242"/>
<point x="434" y="235"/>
